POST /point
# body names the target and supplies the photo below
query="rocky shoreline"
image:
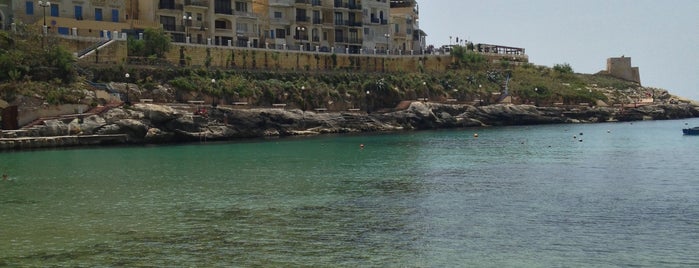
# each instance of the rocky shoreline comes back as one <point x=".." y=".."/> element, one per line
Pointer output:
<point x="159" y="123"/>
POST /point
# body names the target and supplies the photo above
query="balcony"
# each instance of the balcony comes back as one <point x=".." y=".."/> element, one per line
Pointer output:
<point x="354" y="23"/>
<point x="244" y="14"/>
<point x="303" y="2"/>
<point x="302" y="19"/>
<point x="281" y="3"/>
<point x="196" y="3"/>
<point x="279" y="21"/>
<point x="316" y="3"/>
<point x="225" y="11"/>
<point x="169" y="6"/>
<point x="339" y="4"/>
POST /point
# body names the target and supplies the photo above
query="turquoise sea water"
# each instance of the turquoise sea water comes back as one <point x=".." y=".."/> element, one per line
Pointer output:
<point x="626" y="195"/>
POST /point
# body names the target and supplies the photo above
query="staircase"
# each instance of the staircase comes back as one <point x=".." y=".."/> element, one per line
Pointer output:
<point x="88" y="51"/>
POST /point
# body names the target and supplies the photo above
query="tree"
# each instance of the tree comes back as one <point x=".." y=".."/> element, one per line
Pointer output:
<point x="157" y="42"/>
<point x="563" y="68"/>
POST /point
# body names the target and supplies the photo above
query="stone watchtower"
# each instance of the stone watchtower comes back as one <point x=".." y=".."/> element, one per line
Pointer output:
<point x="621" y="68"/>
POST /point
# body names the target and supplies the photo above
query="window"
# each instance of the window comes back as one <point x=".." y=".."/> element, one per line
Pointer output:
<point x="98" y="14"/>
<point x="78" y="12"/>
<point x="338" y="36"/>
<point x="241" y="6"/>
<point x="281" y="33"/>
<point x="54" y="10"/>
<point x="277" y="15"/>
<point x="220" y="24"/>
<point x="301" y="15"/>
<point x="115" y="15"/>
<point x="30" y="8"/>
<point x="168" y="23"/>
<point x="338" y="19"/>
<point x="242" y="27"/>
<point x="221" y="6"/>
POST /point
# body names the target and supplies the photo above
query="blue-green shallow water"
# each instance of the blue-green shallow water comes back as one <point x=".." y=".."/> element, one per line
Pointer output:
<point x="627" y="195"/>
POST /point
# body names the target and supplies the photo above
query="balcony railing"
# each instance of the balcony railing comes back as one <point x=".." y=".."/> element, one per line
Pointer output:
<point x="226" y="11"/>
<point x="170" y="6"/>
<point x="317" y="21"/>
<point x="316" y="3"/>
<point x="196" y="3"/>
<point x="286" y="3"/>
<point x="303" y="19"/>
<point x="303" y="2"/>
<point x="244" y="14"/>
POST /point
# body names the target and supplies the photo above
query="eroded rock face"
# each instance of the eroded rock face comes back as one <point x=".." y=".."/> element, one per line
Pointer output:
<point x="151" y="123"/>
<point x="136" y="129"/>
<point x="156" y="113"/>
<point x="91" y="123"/>
<point x="53" y="128"/>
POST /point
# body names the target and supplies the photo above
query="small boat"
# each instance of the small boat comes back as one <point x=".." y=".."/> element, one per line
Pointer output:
<point x="691" y="131"/>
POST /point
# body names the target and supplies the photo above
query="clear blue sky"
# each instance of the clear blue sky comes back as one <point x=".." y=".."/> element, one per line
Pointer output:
<point x="661" y="37"/>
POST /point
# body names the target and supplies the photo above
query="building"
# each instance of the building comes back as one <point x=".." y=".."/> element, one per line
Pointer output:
<point x="621" y="68"/>
<point x="376" y="27"/>
<point x="6" y="14"/>
<point x="95" y="18"/>
<point x="214" y="22"/>
<point x="339" y="26"/>
<point x="405" y="27"/>
<point x="323" y="25"/>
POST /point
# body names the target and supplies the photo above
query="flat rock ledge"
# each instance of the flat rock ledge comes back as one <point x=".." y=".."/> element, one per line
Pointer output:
<point x="156" y="124"/>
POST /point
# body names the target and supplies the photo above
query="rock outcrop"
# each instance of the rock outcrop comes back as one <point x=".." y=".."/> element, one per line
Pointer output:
<point x="152" y="123"/>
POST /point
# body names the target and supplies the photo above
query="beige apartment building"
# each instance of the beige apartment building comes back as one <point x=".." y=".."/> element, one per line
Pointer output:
<point x="376" y="25"/>
<point x="91" y="18"/>
<point x="214" y="22"/>
<point x="341" y="26"/>
<point x="406" y="35"/>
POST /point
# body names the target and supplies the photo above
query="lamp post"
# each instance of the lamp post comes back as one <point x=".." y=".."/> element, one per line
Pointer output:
<point x="185" y="22"/>
<point x="427" y="91"/>
<point x="388" y="45"/>
<point x="214" y="93"/>
<point x="126" y="100"/>
<point x="44" y="30"/>
<point x="44" y="4"/>
<point x="368" y="107"/>
<point x="299" y="30"/>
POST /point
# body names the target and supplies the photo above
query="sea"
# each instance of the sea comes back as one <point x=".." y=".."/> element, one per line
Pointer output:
<point x="620" y="194"/>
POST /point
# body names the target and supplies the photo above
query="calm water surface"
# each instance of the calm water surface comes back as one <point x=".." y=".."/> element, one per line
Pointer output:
<point x="626" y="195"/>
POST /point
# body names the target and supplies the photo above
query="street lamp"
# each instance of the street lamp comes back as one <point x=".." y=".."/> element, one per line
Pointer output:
<point x="44" y="4"/>
<point x="126" y="100"/>
<point x="427" y="91"/>
<point x="185" y="22"/>
<point x="299" y="30"/>
<point x="213" y="86"/>
<point x="388" y="45"/>
<point x="44" y="30"/>
<point x="367" y="101"/>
